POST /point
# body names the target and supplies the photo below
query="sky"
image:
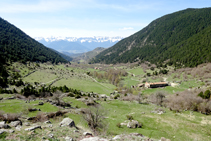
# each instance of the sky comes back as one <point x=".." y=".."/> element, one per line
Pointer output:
<point x="88" y="18"/>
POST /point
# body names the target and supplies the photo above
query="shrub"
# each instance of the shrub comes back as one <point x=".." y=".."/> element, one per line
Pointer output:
<point x="158" y="98"/>
<point x="116" y="96"/>
<point x="187" y="100"/>
<point x="71" y="95"/>
<point x="41" y="117"/>
<point x="95" y="118"/>
<point x="77" y="96"/>
<point x="207" y="94"/>
<point x="201" y="94"/>
<point x="9" y="117"/>
<point x="129" y="117"/>
<point x="118" y="125"/>
<point x="3" y="136"/>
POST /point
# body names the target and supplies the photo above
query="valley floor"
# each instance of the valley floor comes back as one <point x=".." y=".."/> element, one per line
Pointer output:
<point x="114" y="88"/>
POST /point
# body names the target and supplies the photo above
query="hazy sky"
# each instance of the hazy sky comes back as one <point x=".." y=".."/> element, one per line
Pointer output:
<point x="85" y="18"/>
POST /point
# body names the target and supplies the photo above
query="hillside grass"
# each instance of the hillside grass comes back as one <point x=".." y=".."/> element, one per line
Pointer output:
<point x="86" y="85"/>
<point x="175" y="126"/>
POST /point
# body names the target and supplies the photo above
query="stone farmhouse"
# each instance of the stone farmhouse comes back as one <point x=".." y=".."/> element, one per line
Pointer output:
<point x="156" y="85"/>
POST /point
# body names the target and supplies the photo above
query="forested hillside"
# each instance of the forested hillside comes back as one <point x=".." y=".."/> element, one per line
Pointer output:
<point x="183" y="38"/>
<point x="15" y="45"/>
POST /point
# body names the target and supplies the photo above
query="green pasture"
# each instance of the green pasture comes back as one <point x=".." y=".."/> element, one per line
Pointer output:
<point x="86" y="85"/>
<point x="175" y="126"/>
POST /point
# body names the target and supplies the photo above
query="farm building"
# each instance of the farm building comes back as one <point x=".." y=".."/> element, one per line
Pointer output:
<point x="156" y="85"/>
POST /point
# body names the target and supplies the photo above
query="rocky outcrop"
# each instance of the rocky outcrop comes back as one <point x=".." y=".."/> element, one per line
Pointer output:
<point x="15" y="123"/>
<point x="94" y="139"/>
<point x="3" y="125"/>
<point x="134" y="124"/>
<point x="33" y="128"/>
<point x="67" y="122"/>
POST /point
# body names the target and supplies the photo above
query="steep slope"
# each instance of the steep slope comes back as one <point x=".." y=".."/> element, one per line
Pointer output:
<point x="66" y="57"/>
<point x="15" y="45"/>
<point x="88" y="55"/>
<point x="177" y="37"/>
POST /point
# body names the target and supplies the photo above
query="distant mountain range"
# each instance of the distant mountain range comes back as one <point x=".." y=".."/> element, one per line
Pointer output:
<point x="182" y="38"/>
<point x="73" y="45"/>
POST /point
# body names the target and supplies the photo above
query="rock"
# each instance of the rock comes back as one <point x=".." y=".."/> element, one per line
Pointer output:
<point x="33" y="109"/>
<point x="11" y="97"/>
<point x="117" y="137"/>
<point x="51" y="136"/>
<point x="68" y="138"/>
<point x="123" y="124"/>
<point x="1" y="131"/>
<point x="164" y="139"/>
<point x="31" y="118"/>
<point x="103" y="96"/>
<point x="4" y="126"/>
<point x="87" y="134"/>
<point x="134" y="124"/>
<point x="2" y="123"/>
<point x="50" y="126"/>
<point x="15" y="123"/>
<point x="33" y="128"/>
<point x="18" y="128"/>
<point x="136" y="134"/>
<point x="40" y="103"/>
<point x="67" y="122"/>
<point x="11" y="131"/>
<point x="94" y="139"/>
<point x="26" y="123"/>
<point x="47" y="122"/>
<point x="5" y="130"/>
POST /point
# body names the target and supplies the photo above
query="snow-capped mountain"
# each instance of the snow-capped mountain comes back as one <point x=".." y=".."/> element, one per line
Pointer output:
<point x="78" y="44"/>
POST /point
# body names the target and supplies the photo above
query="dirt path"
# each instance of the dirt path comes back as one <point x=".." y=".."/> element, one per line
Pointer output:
<point x="96" y="81"/>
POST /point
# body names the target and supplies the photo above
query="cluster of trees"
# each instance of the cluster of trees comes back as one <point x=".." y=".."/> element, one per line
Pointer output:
<point x="183" y="38"/>
<point x="15" y="45"/>
<point x="47" y="91"/>
<point x="65" y="89"/>
<point x="205" y="95"/>
<point x="186" y="100"/>
<point x="113" y="76"/>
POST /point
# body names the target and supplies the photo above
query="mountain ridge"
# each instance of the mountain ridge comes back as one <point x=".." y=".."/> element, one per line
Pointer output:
<point x="78" y="44"/>
<point x="15" y="45"/>
<point x="158" y="41"/>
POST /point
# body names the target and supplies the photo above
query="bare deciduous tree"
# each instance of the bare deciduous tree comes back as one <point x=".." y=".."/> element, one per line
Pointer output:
<point x="95" y="116"/>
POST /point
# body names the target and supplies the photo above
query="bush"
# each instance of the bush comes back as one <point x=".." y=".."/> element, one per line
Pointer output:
<point x="158" y="98"/>
<point x="129" y="117"/>
<point x="71" y="95"/>
<point x="116" y="96"/>
<point x="77" y="96"/>
<point x="41" y="117"/>
<point x="95" y="118"/>
<point x="3" y="136"/>
<point x="118" y="125"/>
<point x="207" y="94"/>
<point x="9" y="117"/>
<point x="201" y="94"/>
<point x="187" y="100"/>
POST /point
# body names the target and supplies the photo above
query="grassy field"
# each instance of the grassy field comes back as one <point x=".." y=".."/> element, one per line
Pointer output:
<point x="174" y="126"/>
<point x="86" y="85"/>
<point x="186" y="125"/>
